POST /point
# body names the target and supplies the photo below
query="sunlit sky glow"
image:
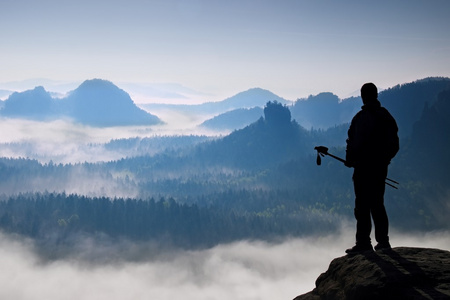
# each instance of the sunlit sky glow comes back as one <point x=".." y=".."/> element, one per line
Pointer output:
<point x="219" y="48"/>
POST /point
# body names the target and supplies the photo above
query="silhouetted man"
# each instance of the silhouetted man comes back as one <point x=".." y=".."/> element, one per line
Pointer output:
<point x="372" y="143"/>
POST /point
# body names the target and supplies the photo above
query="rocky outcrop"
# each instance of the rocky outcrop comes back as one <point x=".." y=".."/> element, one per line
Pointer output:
<point x="400" y="273"/>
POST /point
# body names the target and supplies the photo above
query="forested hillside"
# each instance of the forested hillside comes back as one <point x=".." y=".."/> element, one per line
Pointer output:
<point x="406" y="102"/>
<point x="56" y="221"/>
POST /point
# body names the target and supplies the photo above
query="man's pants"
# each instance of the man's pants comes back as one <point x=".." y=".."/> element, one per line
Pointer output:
<point x="369" y="202"/>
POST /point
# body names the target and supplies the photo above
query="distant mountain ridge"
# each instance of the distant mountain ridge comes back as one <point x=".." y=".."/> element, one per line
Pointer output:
<point x="95" y="102"/>
<point x="405" y="102"/>
<point x="34" y="104"/>
<point x="234" y="119"/>
<point x="325" y="110"/>
<point x="251" y="98"/>
<point x="255" y="97"/>
<point x="101" y="103"/>
<point x="4" y="94"/>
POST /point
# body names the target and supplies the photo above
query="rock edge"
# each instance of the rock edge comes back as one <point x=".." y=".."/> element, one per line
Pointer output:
<point x="399" y="273"/>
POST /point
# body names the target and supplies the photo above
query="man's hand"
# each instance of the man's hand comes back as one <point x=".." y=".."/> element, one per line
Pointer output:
<point x="348" y="164"/>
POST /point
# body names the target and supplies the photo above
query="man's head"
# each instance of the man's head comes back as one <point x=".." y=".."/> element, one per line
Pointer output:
<point x="369" y="92"/>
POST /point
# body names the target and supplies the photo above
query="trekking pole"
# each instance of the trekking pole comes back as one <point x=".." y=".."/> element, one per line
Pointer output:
<point x="322" y="151"/>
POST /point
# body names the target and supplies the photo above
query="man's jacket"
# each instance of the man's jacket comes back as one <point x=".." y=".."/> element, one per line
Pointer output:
<point x="372" y="137"/>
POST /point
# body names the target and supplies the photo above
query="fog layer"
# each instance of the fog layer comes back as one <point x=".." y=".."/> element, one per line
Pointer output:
<point x="242" y="270"/>
<point x="63" y="141"/>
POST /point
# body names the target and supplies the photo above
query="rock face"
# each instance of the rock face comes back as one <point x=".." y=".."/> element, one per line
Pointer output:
<point x="400" y="273"/>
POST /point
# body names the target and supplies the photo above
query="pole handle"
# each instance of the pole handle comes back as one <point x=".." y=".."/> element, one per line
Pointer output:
<point x="322" y="150"/>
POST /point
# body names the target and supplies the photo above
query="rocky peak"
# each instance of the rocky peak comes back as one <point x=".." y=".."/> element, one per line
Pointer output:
<point x="400" y="273"/>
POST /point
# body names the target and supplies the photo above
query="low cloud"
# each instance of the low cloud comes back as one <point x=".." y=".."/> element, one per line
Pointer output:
<point x="242" y="270"/>
<point x="63" y="141"/>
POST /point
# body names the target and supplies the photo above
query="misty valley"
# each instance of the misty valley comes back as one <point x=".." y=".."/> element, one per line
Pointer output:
<point x="217" y="150"/>
<point x="256" y="181"/>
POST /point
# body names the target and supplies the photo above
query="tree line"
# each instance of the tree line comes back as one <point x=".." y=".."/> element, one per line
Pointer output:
<point x="58" y="217"/>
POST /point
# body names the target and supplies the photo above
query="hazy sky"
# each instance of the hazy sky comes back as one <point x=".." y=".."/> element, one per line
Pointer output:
<point x="292" y="47"/>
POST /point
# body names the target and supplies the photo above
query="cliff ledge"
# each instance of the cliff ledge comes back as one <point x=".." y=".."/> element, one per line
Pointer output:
<point x="400" y="273"/>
